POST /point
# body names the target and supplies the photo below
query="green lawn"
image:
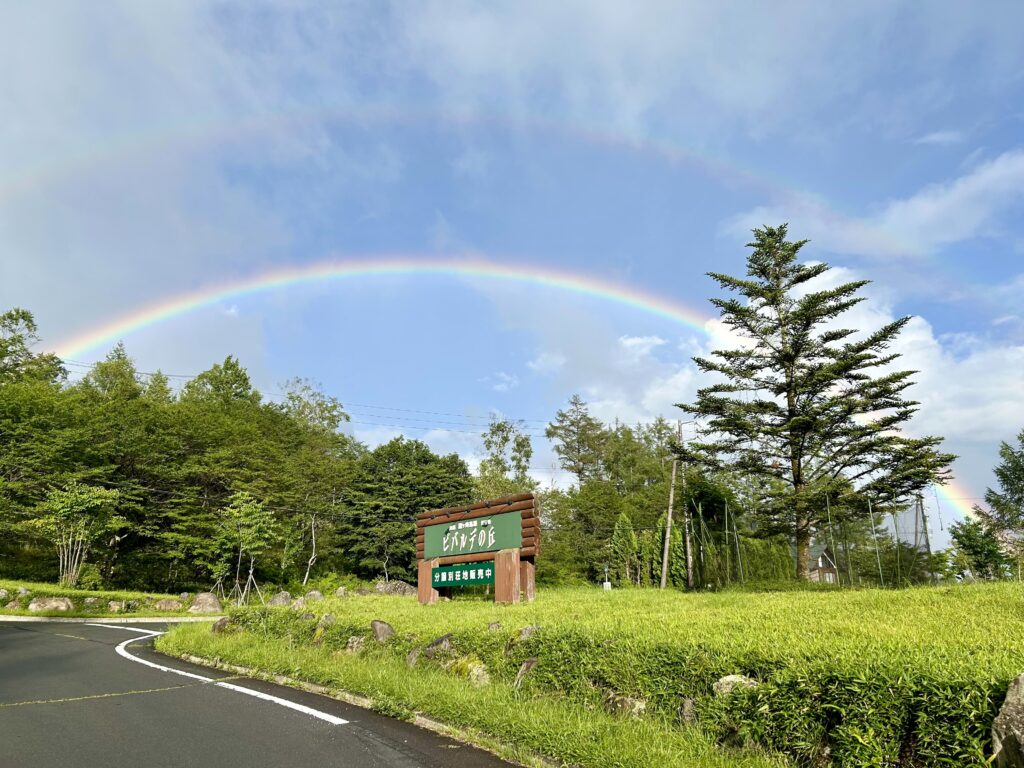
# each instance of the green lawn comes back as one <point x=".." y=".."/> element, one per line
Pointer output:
<point x="870" y="677"/>
<point x="136" y="603"/>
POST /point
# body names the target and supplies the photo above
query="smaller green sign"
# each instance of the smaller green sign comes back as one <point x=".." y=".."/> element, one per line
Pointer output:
<point x="463" y="575"/>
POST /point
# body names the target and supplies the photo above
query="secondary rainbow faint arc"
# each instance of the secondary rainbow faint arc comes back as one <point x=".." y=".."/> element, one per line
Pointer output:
<point x="953" y="493"/>
<point x="165" y="309"/>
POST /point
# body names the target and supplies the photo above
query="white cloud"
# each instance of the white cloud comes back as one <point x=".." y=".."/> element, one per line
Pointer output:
<point x="920" y="225"/>
<point x="940" y="138"/>
<point x="547" y="362"/>
<point x="503" y="382"/>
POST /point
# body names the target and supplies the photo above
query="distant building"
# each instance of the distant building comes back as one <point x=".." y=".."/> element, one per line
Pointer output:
<point x="824" y="568"/>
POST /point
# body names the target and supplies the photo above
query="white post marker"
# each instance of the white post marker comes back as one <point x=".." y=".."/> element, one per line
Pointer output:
<point x="121" y="650"/>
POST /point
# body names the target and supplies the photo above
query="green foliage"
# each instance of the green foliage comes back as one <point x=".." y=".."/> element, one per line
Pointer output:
<point x="806" y="401"/>
<point x="578" y="440"/>
<point x="505" y="468"/>
<point x="979" y="549"/>
<point x="851" y="678"/>
<point x="623" y="552"/>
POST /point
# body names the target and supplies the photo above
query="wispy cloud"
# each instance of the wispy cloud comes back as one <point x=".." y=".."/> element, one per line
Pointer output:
<point x="940" y="138"/>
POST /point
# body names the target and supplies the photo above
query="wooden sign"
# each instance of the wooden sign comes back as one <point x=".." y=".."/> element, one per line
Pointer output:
<point x="502" y="534"/>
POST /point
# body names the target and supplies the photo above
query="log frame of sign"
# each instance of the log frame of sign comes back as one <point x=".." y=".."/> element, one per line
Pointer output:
<point x="514" y="569"/>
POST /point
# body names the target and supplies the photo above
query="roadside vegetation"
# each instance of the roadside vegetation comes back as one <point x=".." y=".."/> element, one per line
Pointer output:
<point x="16" y="596"/>
<point x="843" y="678"/>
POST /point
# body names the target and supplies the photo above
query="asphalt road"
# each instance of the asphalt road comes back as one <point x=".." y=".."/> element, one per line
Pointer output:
<point x="69" y="700"/>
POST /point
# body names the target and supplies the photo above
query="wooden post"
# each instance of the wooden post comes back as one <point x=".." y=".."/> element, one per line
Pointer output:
<point x="506" y="576"/>
<point x="527" y="580"/>
<point x="425" y="588"/>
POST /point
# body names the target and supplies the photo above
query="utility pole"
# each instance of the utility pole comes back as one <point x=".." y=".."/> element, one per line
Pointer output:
<point x="927" y="539"/>
<point x="668" y="518"/>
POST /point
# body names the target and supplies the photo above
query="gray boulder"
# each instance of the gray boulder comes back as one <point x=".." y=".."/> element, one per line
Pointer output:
<point x="313" y="595"/>
<point x="205" y="602"/>
<point x="298" y="604"/>
<point x="442" y="645"/>
<point x="13" y="605"/>
<point x="688" y="711"/>
<point x="477" y="673"/>
<point x="527" y="632"/>
<point x="494" y="626"/>
<point x="4" y="594"/>
<point x="355" y="644"/>
<point x="91" y="601"/>
<point x="525" y="668"/>
<point x="341" y="592"/>
<point x="115" y="606"/>
<point x="382" y="631"/>
<point x="50" y="604"/>
<point x="363" y="591"/>
<point x="22" y="592"/>
<point x="1008" y="728"/>
<point x="168" y="604"/>
<point x="413" y="656"/>
<point x="307" y="616"/>
<point x="730" y="683"/>
<point x="394" y="587"/>
<point x="624" y="705"/>
<point x="185" y="597"/>
<point x="221" y="625"/>
<point x="327" y="620"/>
<point x="280" y="599"/>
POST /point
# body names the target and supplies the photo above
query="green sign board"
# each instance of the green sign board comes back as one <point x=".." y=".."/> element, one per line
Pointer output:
<point x="462" y="575"/>
<point x="479" y="534"/>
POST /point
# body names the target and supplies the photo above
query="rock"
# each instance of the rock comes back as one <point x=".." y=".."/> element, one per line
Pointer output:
<point x="341" y="592"/>
<point x="363" y="591"/>
<point x="115" y="606"/>
<point x="205" y="602"/>
<point x="395" y="587"/>
<point x="624" y="705"/>
<point x="355" y="644"/>
<point x="91" y="601"/>
<point x="168" y="604"/>
<point x="280" y="599"/>
<point x="22" y="592"/>
<point x="131" y="605"/>
<point x="413" y="656"/>
<point x="4" y="594"/>
<point x="525" y="669"/>
<point x="477" y="673"/>
<point x="50" y="604"/>
<point x="327" y="620"/>
<point x="730" y="683"/>
<point x="298" y="604"/>
<point x="443" y="644"/>
<point x="307" y="616"/>
<point x="13" y="605"/>
<point x="1008" y="728"/>
<point x="223" y="624"/>
<point x="185" y="597"/>
<point x="382" y="631"/>
<point x="527" y="632"/>
<point x="313" y="595"/>
<point x="688" y="711"/>
<point x="494" y="626"/>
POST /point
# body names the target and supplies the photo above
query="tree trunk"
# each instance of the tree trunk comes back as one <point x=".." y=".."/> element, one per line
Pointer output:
<point x="803" y="546"/>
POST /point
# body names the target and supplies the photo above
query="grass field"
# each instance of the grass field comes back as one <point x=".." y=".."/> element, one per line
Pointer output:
<point x="135" y="603"/>
<point x="908" y="678"/>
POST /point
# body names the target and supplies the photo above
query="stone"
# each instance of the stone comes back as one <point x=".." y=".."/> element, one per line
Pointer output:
<point x="527" y="632"/>
<point x="115" y="606"/>
<point x="313" y="595"/>
<point x="22" y="592"/>
<point x="221" y="625"/>
<point x="355" y="644"/>
<point x="363" y="591"/>
<point x="625" y="705"/>
<point x="382" y="631"/>
<point x="298" y="604"/>
<point x="50" y="604"/>
<point x="726" y="685"/>
<point x="168" y="604"/>
<point x="494" y="626"/>
<point x="688" y="711"/>
<point x="524" y="669"/>
<point x="341" y="592"/>
<point x="307" y="616"/>
<point x="395" y="587"/>
<point x="131" y="605"/>
<point x="13" y="605"/>
<point x="443" y="644"/>
<point x="477" y="673"/>
<point x="91" y="601"/>
<point x="4" y="594"/>
<point x="279" y="600"/>
<point x="413" y="656"/>
<point x="1008" y="728"/>
<point x="327" y="620"/>
<point x="205" y="602"/>
<point x="185" y="597"/>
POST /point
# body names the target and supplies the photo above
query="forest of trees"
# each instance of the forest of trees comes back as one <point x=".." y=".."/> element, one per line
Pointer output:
<point x="116" y="478"/>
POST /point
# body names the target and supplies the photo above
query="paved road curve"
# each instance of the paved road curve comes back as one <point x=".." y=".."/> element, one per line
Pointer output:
<point x="68" y="699"/>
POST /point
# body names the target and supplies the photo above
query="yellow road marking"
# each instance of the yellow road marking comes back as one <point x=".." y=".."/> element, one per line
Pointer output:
<point x="93" y="697"/>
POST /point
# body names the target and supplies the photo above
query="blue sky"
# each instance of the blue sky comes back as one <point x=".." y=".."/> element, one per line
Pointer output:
<point x="149" y="149"/>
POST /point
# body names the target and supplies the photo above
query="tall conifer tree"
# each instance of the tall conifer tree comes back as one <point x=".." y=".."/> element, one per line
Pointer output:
<point x="805" y="400"/>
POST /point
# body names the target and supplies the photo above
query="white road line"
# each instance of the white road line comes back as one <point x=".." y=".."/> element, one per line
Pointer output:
<point x="122" y="651"/>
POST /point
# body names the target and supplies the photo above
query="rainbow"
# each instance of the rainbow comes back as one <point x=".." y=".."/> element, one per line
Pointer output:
<point x="348" y="269"/>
